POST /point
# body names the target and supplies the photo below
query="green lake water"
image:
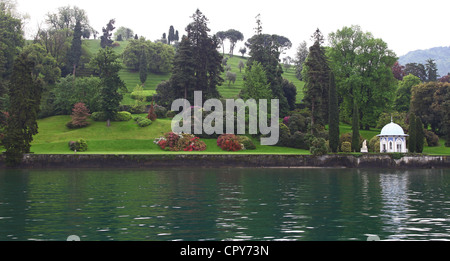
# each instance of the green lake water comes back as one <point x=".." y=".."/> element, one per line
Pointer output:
<point x="191" y="204"/>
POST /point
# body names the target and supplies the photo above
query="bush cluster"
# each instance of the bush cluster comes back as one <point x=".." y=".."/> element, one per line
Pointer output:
<point x="120" y="116"/>
<point x="180" y="142"/>
<point x="79" y="145"/>
<point x="229" y="142"/>
<point x="142" y="121"/>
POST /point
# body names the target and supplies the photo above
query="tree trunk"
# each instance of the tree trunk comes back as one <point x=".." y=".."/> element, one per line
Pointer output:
<point x="108" y="123"/>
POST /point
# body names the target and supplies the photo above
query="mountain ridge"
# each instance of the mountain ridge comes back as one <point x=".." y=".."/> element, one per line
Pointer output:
<point x="441" y="56"/>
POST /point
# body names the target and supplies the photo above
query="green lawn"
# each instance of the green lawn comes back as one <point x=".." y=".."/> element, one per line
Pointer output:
<point x="122" y="138"/>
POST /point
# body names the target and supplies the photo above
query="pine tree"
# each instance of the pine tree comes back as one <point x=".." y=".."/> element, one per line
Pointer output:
<point x="355" y="129"/>
<point x="75" y="48"/>
<point x="207" y="60"/>
<point x="412" y="133"/>
<point x="317" y="82"/>
<point x="25" y="97"/>
<point x="183" y="73"/>
<point x="333" y="129"/>
<point x="419" y="135"/>
<point x="107" y="63"/>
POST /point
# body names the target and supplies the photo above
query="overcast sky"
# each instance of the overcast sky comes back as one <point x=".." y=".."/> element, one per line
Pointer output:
<point x="404" y="25"/>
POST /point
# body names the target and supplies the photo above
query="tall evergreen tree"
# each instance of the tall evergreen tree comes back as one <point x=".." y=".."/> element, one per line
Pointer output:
<point x="183" y="73"/>
<point x="208" y="61"/>
<point x="420" y="135"/>
<point x="171" y="37"/>
<point x="75" y="49"/>
<point x="108" y="64"/>
<point x="265" y="50"/>
<point x="333" y="119"/>
<point x="317" y="82"/>
<point x="412" y="133"/>
<point x="431" y="69"/>
<point x="143" y="68"/>
<point x="25" y="97"/>
<point x="355" y="128"/>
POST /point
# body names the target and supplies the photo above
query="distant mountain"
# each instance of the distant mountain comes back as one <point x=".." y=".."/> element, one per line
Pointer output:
<point x="441" y="55"/>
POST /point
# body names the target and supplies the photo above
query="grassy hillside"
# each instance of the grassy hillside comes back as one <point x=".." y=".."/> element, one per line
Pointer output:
<point x="228" y="91"/>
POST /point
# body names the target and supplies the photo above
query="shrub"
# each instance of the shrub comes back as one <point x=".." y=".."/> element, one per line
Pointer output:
<point x="297" y="122"/>
<point x="160" y="111"/>
<point x="300" y="140"/>
<point x="171" y="114"/>
<point x="432" y="138"/>
<point x="180" y="142"/>
<point x="229" y="142"/>
<point x="146" y="95"/>
<point x="374" y="144"/>
<point x="98" y="116"/>
<point x="144" y="123"/>
<point x="79" y="145"/>
<point x="346" y="146"/>
<point x="247" y="142"/>
<point x="285" y="133"/>
<point x="122" y="116"/>
<point x="151" y="113"/>
<point x="318" y="147"/>
<point x="347" y="137"/>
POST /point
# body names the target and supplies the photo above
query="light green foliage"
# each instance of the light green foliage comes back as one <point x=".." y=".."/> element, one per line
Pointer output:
<point x="68" y="91"/>
<point x="362" y="66"/>
<point x="256" y="85"/>
<point x="159" y="56"/>
<point x="403" y="95"/>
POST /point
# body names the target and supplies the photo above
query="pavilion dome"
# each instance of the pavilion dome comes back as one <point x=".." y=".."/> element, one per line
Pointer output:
<point x="392" y="129"/>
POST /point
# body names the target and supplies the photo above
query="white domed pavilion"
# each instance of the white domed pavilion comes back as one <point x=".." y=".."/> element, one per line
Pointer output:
<point x="393" y="139"/>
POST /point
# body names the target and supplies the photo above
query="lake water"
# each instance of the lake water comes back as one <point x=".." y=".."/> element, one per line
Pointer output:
<point x="224" y="204"/>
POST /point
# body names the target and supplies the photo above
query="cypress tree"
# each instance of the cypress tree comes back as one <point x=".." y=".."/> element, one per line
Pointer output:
<point x="25" y="97"/>
<point x="143" y="68"/>
<point x="183" y="72"/>
<point x="75" y="48"/>
<point x="355" y="128"/>
<point x="419" y="135"/>
<point x="412" y="133"/>
<point x="333" y="128"/>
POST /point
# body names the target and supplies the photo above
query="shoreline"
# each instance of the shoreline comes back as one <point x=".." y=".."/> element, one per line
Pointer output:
<point x="141" y="161"/>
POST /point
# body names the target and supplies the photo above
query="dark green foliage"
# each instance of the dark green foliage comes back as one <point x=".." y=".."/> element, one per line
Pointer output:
<point x="109" y="65"/>
<point x="419" y="135"/>
<point x="247" y="142"/>
<point x="25" y="97"/>
<point x="143" y="68"/>
<point x="183" y="75"/>
<point x="346" y="147"/>
<point x="207" y="60"/>
<point x="290" y="92"/>
<point x="105" y="39"/>
<point x="317" y="81"/>
<point x="355" y="128"/>
<point x="318" y="147"/>
<point x="165" y="93"/>
<point x="333" y="119"/>
<point x="78" y="146"/>
<point x="412" y="133"/>
<point x="431" y="70"/>
<point x="301" y="140"/>
<point x="265" y="50"/>
<point x="75" y="49"/>
<point x="285" y="133"/>
<point x="297" y="122"/>
<point x="431" y="138"/>
<point x="160" y="111"/>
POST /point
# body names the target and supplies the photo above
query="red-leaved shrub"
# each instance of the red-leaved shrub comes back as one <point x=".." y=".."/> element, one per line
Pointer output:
<point x="229" y="142"/>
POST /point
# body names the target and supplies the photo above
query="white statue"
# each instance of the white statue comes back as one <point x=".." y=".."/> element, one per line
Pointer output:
<point x="364" y="147"/>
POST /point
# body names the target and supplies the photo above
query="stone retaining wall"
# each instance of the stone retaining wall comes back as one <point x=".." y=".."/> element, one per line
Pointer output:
<point x="237" y="160"/>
